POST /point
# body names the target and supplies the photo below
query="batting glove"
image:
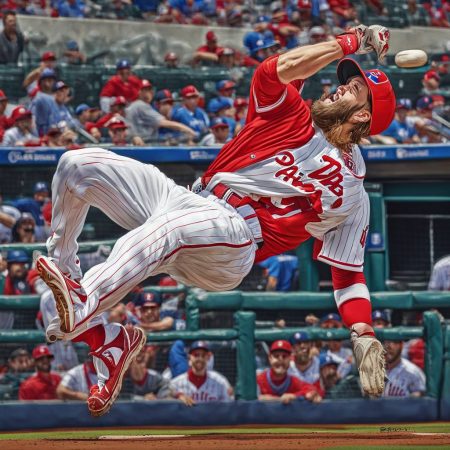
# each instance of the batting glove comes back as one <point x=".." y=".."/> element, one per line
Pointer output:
<point x="373" y="38"/>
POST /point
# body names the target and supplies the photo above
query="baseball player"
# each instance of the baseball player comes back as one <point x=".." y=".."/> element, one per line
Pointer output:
<point x="198" y="384"/>
<point x="290" y="174"/>
<point x="404" y="378"/>
<point x="305" y="364"/>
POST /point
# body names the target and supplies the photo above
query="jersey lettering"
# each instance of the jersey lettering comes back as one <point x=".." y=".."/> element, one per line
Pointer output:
<point x="330" y="176"/>
<point x="291" y="174"/>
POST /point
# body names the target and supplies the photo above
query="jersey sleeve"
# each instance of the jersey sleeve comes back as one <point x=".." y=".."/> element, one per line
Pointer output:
<point x="343" y="246"/>
<point x="417" y="383"/>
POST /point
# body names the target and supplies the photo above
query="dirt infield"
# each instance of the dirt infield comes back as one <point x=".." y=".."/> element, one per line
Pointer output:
<point x="306" y="441"/>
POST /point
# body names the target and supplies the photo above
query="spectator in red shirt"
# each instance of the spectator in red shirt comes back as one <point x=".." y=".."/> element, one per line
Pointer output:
<point x="209" y="51"/>
<point x="117" y="130"/>
<point x="123" y="83"/>
<point x="48" y="61"/>
<point x="280" y="26"/>
<point x="171" y="60"/>
<point x="42" y="385"/>
<point x="117" y="108"/>
<point x="5" y="122"/>
<point x="275" y="384"/>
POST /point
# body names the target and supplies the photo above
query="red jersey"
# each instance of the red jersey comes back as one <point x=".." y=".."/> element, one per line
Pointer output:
<point x="41" y="386"/>
<point x="297" y="182"/>
<point x="116" y="87"/>
<point x="206" y="49"/>
<point x="289" y="385"/>
<point x="275" y="29"/>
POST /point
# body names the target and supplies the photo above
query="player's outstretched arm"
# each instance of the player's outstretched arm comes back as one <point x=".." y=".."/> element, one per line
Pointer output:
<point x="302" y="62"/>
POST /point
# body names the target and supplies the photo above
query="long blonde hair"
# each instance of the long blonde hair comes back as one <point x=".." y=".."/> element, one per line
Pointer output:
<point x="330" y="118"/>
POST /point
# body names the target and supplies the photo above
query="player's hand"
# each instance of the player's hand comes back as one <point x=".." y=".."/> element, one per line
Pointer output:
<point x="374" y="38"/>
<point x="287" y="398"/>
<point x="188" y="401"/>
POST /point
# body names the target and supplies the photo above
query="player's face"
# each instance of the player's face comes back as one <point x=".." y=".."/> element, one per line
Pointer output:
<point x="354" y="92"/>
<point x="379" y="323"/>
<point x="198" y="360"/>
<point x="302" y="352"/>
<point x="393" y="351"/>
<point x="279" y="361"/>
<point x="20" y="363"/>
<point x="221" y="134"/>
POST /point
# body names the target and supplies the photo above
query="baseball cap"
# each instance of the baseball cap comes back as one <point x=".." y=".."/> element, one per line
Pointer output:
<point x="123" y="64"/>
<point x="300" y="336"/>
<point x="425" y="102"/>
<point x="171" y="56"/>
<point x="217" y="104"/>
<point x="211" y="36"/>
<point x="281" y="345"/>
<point x="199" y="345"/>
<point x="219" y="122"/>
<point x="40" y="186"/>
<point x="116" y="124"/>
<point x="380" y="315"/>
<point x="48" y="56"/>
<point x="59" y="85"/>
<point x="53" y="130"/>
<point x="326" y="359"/>
<point x="189" y="91"/>
<point x="19" y="256"/>
<point x="240" y="102"/>
<point x="81" y="108"/>
<point x="317" y="31"/>
<point x="146" y="84"/>
<point x="20" y="113"/>
<point x="164" y="96"/>
<point x="331" y="316"/>
<point x="72" y="45"/>
<point x="225" y="51"/>
<point x="262" y="19"/>
<point x="381" y="92"/>
<point x="225" y="84"/>
<point x="149" y="299"/>
<point x="430" y="74"/>
<point x="40" y="351"/>
<point x="119" y="100"/>
<point x="167" y="281"/>
<point x="18" y="352"/>
<point x="47" y="73"/>
<point x="3" y="96"/>
<point x="404" y="103"/>
<point x="265" y="43"/>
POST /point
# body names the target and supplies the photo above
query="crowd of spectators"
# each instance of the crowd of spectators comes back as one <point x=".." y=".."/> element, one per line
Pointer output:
<point x="230" y="13"/>
<point x="130" y="111"/>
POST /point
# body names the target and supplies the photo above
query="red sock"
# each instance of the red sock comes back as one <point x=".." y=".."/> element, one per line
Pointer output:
<point x="357" y="310"/>
<point x="94" y="337"/>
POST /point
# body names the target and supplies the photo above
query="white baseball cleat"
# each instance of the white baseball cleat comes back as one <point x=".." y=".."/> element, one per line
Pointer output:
<point x="67" y="293"/>
<point x="369" y="355"/>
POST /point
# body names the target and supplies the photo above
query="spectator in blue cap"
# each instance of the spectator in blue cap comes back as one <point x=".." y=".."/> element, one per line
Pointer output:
<point x="72" y="54"/>
<point x="219" y="135"/>
<point x="23" y="229"/>
<point x="150" y="316"/>
<point x="402" y="129"/>
<point x="43" y="106"/>
<point x="41" y="194"/>
<point x="16" y="281"/>
<point x="335" y="347"/>
<point x="62" y="117"/>
<point x="223" y="107"/>
<point x="226" y="88"/>
<point x="83" y="113"/>
<point x="305" y="364"/>
<point x="380" y="319"/>
<point x="329" y="376"/>
<point x="71" y="8"/>
<point x="124" y="83"/>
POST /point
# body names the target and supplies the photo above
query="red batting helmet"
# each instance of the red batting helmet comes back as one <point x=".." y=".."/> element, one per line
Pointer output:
<point x="381" y="92"/>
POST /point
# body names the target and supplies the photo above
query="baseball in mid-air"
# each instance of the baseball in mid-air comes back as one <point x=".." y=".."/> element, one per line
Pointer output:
<point x="411" y="58"/>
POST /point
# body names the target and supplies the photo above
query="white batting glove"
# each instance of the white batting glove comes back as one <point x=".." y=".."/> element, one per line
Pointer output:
<point x="374" y="38"/>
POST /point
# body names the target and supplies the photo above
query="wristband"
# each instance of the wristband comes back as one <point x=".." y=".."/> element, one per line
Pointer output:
<point x="348" y="43"/>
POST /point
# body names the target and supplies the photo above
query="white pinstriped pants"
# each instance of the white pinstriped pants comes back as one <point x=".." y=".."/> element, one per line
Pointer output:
<point x="199" y="241"/>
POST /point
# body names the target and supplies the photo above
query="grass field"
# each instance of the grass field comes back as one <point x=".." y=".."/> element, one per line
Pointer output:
<point x="386" y="429"/>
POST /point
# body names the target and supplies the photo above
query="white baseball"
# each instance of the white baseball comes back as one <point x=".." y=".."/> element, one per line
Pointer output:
<point x="411" y="58"/>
